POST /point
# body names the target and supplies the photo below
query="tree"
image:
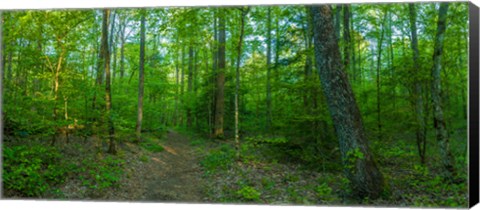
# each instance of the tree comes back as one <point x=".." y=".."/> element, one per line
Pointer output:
<point x="220" y="95"/>
<point x="421" y="128"/>
<point x="2" y="70"/>
<point x="438" y="117"/>
<point x="269" y="55"/>
<point x="108" y="93"/>
<point x="141" y="77"/>
<point x="359" y="164"/>
<point x="379" y="64"/>
<point x="190" y="83"/>
<point x="123" y="37"/>
<point x="244" y="12"/>
<point x="346" y="37"/>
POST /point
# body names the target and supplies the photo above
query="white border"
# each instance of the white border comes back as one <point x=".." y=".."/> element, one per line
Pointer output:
<point x="59" y="4"/>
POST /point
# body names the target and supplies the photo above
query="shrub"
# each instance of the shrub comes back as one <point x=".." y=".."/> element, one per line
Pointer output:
<point x="151" y="146"/>
<point x="219" y="159"/>
<point x="249" y="193"/>
<point x="31" y="171"/>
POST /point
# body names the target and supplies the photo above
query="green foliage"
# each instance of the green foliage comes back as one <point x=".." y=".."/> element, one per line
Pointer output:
<point x="302" y="131"/>
<point x="197" y="142"/>
<point x="103" y="174"/>
<point x="249" y="193"/>
<point x="324" y="192"/>
<point x="144" y="158"/>
<point x="32" y="170"/>
<point x="352" y="156"/>
<point x="151" y="145"/>
<point x="218" y="159"/>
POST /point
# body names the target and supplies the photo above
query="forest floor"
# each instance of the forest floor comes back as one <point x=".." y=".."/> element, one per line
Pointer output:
<point x="172" y="175"/>
<point x="184" y="167"/>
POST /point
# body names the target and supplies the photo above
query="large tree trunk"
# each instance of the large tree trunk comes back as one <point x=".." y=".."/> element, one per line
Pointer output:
<point x="418" y="97"/>
<point x="219" y="107"/>
<point x="359" y="165"/>
<point x="447" y="159"/>
<point x="338" y="12"/>
<point x="138" y="127"/>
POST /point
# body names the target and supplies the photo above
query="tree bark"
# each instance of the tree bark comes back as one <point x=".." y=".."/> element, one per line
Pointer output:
<point x="379" y="86"/>
<point x="346" y="38"/>
<point x="138" y="127"/>
<point x="122" y="47"/>
<point x="447" y="158"/>
<point x="56" y="85"/>
<point x="353" y="47"/>
<point x="220" y="98"/>
<point x="108" y="93"/>
<point x="237" y="82"/>
<point x="214" y="74"/>
<point x="190" y="85"/>
<point x="338" y="12"/>
<point x="418" y="93"/>
<point x="359" y="165"/>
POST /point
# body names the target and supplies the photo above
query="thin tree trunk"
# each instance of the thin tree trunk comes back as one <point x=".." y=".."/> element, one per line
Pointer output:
<point x="447" y="158"/>
<point x="379" y="63"/>
<point x="214" y="75"/>
<point x="122" y="47"/>
<point x="177" y="83"/>
<point x="190" y="85"/>
<point x="220" y="99"/>
<point x="268" y="123"/>
<point x="56" y="84"/>
<point x="237" y="82"/>
<point x="182" y="83"/>
<point x="138" y="127"/>
<point x="346" y="38"/>
<point x="108" y="92"/>
<point x="418" y="97"/>
<point x="308" y="60"/>
<point x="391" y="63"/>
<point x="359" y="165"/>
<point x="65" y="109"/>
<point x="114" y="51"/>
<point x="353" y="47"/>
<point x="2" y="71"/>
<point x="100" y="69"/>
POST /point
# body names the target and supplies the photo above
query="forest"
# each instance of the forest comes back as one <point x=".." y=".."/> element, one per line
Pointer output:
<point x="348" y="104"/>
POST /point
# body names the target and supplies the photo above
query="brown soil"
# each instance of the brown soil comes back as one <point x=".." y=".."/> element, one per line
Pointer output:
<point x="172" y="175"/>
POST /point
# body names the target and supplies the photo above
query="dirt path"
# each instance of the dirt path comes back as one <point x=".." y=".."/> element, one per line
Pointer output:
<point x="174" y="174"/>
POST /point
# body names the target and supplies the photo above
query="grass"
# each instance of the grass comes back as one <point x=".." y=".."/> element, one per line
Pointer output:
<point x="151" y="144"/>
